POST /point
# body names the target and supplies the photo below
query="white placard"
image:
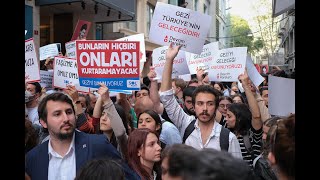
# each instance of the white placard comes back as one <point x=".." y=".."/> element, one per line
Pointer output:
<point x="71" y="49"/>
<point x="185" y="77"/>
<point x="253" y="73"/>
<point x="32" y="70"/>
<point x="197" y="61"/>
<point x="142" y="54"/>
<point x="65" y="73"/>
<point x="281" y="96"/>
<point x="181" y="26"/>
<point x="49" y="50"/>
<point x="180" y="66"/>
<point x="46" y="79"/>
<point x="228" y="64"/>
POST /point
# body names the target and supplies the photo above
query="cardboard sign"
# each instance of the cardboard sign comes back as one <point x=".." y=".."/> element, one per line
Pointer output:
<point x="228" y="64"/>
<point x="46" y="78"/>
<point x="113" y="63"/>
<point x="50" y="50"/>
<point x="81" y="31"/>
<point x="202" y="61"/>
<point x="140" y="39"/>
<point x="66" y="73"/>
<point x="71" y="49"/>
<point x="180" y="66"/>
<point x="181" y="26"/>
<point x="281" y="96"/>
<point x="32" y="70"/>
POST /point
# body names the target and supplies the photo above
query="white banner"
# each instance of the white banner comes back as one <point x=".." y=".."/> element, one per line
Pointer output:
<point x="202" y="60"/>
<point x="180" y="66"/>
<point x="181" y="26"/>
<point x="32" y="70"/>
<point x="281" y="96"/>
<point x="228" y="64"/>
<point x="50" y="50"/>
<point x="253" y="73"/>
<point x="142" y="54"/>
<point x="71" y="49"/>
<point x="46" y="79"/>
<point x="65" y="73"/>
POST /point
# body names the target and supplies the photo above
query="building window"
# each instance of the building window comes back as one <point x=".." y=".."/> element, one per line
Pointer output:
<point x="173" y="2"/>
<point x="150" y="11"/>
<point x="217" y="29"/>
<point x="195" y="5"/>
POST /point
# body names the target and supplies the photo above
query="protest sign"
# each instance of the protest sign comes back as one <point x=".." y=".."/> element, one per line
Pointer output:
<point x="66" y="73"/>
<point x="180" y="66"/>
<point x="71" y="49"/>
<point x="50" y="50"/>
<point x="281" y="96"/>
<point x="32" y="70"/>
<point x="202" y="61"/>
<point x="253" y="73"/>
<point x="113" y="63"/>
<point x="81" y="31"/>
<point x="180" y="26"/>
<point x="140" y="39"/>
<point x="46" y="79"/>
<point x="228" y="64"/>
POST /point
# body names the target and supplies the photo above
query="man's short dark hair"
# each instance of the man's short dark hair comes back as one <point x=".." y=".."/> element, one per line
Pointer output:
<point x="262" y="89"/>
<point x="142" y="87"/>
<point x="188" y="91"/>
<point x="42" y="108"/>
<point x="84" y="26"/>
<point x="37" y="85"/>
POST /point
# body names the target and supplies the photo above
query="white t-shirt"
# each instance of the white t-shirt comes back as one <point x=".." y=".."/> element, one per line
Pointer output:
<point x="33" y="115"/>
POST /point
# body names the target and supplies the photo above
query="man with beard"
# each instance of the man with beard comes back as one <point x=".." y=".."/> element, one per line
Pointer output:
<point x="67" y="150"/>
<point x="206" y="132"/>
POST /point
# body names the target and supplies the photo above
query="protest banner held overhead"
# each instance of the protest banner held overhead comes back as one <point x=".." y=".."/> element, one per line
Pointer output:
<point x="32" y="70"/>
<point x="81" y="31"/>
<point x="66" y="73"/>
<point x="228" y="64"/>
<point x="202" y="61"/>
<point x="180" y="26"/>
<point x="180" y="66"/>
<point x="113" y="63"/>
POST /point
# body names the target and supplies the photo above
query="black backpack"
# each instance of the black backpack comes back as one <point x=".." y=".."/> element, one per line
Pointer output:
<point x="224" y="135"/>
<point x="262" y="169"/>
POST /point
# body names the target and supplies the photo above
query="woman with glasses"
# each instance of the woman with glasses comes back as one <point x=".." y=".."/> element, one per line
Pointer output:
<point x="223" y="104"/>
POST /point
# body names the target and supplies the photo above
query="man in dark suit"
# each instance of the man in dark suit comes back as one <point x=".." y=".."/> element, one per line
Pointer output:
<point x="68" y="149"/>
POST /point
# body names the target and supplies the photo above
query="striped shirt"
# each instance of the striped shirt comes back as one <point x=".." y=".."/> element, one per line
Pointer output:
<point x="255" y="137"/>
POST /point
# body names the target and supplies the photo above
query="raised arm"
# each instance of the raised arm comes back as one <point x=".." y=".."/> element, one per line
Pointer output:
<point x="253" y="104"/>
<point x="166" y="83"/>
<point x="154" y="93"/>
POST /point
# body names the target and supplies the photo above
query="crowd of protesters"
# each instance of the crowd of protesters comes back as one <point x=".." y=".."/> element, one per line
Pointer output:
<point x="175" y="129"/>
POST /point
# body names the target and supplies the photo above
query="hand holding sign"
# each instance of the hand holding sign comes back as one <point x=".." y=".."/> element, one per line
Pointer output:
<point x="244" y="78"/>
<point x="172" y="51"/>
<point x="104" y="93"/>
<point x="152" y="74"/>
<point x="72" y="92"/>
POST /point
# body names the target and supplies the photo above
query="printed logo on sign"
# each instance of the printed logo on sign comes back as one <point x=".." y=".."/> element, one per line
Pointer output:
<point x="165" y="39"/>
<point x="133" y="83"/>
<point x="218" y="76"/>
<point x="177" y="41"/>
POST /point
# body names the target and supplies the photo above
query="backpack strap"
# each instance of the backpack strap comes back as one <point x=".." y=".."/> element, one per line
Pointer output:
<point x="224" y="138"/>
<point x="188" y="131"/>
<point x="256" y="159"/>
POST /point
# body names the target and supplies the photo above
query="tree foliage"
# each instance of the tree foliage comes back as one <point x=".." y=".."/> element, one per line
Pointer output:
<point x="239" y="32"/>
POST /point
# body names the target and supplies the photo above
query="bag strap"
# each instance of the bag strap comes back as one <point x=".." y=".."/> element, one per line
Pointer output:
<point x="247" y="145"/>
<point x="256" y="159"/>
<point x="224" y="138"/>
<point x="188" y="131"/>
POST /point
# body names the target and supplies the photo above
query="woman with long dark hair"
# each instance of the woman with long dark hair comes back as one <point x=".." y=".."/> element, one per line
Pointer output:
<point x="144" y="153"/>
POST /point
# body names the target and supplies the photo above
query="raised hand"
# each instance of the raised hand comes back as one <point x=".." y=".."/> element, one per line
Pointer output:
<point x="152" y="74"/>
<point x="172" y="52"/>
<point x="104" y="93"/>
